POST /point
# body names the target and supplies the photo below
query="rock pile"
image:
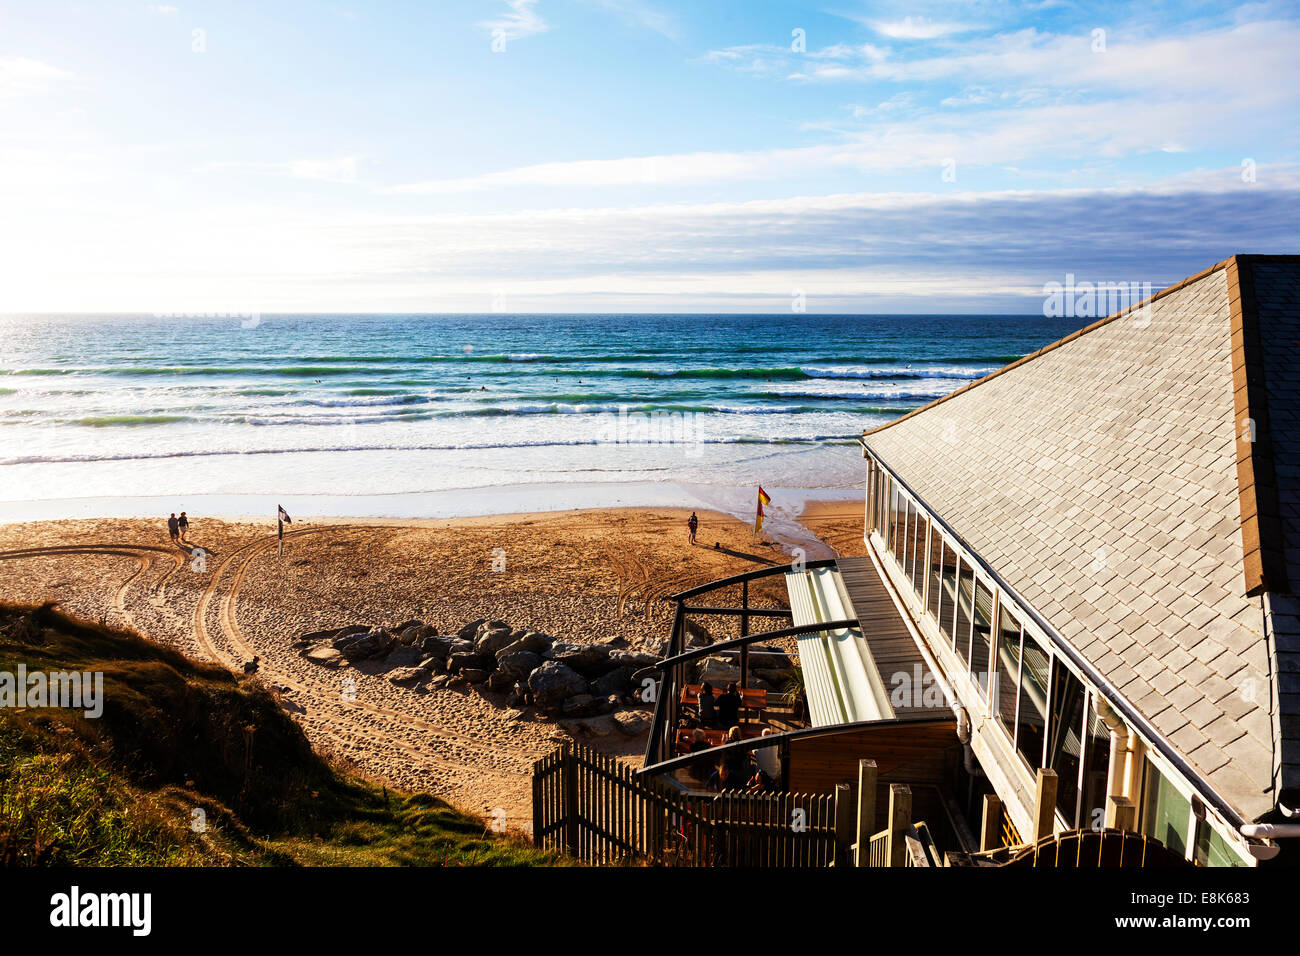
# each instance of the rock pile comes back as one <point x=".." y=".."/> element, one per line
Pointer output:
<point x="564" y="679"/>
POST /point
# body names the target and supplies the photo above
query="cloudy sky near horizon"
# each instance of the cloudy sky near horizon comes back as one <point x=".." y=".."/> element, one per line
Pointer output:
<point x="634" y="155"/>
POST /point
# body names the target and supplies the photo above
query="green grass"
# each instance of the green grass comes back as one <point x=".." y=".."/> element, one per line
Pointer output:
<point x="191" y="765"/>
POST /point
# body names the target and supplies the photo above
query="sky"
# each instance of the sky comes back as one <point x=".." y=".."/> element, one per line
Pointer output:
<point x="635" y="155"/>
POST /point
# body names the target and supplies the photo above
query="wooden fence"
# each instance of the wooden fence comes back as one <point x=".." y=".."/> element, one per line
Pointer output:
<point x="600" y="811"/>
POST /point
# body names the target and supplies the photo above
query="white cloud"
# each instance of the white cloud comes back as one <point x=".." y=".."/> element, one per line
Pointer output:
<point x="340" y="170"/>
<point x="521" y="20"/>
<point x="20" y="76"/>
<point x="162" y="10"/>
<point x="917" y="28"/>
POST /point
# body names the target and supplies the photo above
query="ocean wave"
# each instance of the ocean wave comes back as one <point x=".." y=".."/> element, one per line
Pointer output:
<point x="463" y="446"/>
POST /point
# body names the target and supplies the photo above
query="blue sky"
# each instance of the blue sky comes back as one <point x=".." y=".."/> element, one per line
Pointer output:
<point x="634" y="155"/>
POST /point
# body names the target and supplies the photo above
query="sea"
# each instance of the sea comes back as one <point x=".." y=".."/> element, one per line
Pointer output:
<point x="438" y="415"/>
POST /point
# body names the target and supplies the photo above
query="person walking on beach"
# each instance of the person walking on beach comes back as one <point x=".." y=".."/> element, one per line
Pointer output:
<point x="182" y="525"/>
<point x="692" y="525"/>
<point x="173" y="527"/>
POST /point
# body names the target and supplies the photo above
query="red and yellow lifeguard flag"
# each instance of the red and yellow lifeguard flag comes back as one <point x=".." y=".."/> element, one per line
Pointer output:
<point x="763" y="499"/>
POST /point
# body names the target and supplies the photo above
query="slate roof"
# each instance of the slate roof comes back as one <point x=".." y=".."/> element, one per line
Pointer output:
<point x="1138" y="483"/>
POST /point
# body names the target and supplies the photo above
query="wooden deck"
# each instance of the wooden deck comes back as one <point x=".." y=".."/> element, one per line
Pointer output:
<point x="892" y="646"/>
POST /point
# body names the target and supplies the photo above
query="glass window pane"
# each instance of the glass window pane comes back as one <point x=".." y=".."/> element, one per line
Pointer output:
<point x="949" y="580"/>
<point x="919" y="550"/>
<point x="1065" y="728"/>
<point x="983" y="634"/>
<point x="1096" y="767"/>
<point x="961" y="628"/>
<point x="900" y="523"/>
<point x="1031" y="717"/>
<point x="934" y="568"/>
<point x="1213" y="850"/>
<point x="1007" y="670"/>
<point x="905" y="556"/>
<point x="1165" y="811"/>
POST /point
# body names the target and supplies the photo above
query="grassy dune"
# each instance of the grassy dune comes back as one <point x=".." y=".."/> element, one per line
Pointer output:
<point x="190" y="765"/>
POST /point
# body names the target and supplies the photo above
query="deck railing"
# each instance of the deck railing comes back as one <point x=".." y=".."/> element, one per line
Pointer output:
<point x="602" y="812"/>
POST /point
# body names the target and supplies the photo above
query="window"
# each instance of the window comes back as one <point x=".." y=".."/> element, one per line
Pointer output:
<point x="961" y="626"/>
<point x="1006" y="677"/>
<point x="935" y="571"/>
<point x="1031" y="714"/>
<point x="899" y="523"/>
<point x="1165" y="812"/>
<point x="982" y="615"/>
<point x="919" y="552"/>
<point x="948" y="581"/>
<point x="1065" y="732"/>
<point x="905" y="554"/>
<point x="1096" y="766"/>
<point x="1214" y="850"/>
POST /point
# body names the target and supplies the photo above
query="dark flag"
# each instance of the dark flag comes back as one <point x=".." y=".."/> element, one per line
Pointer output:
<point x="284" y="519"/>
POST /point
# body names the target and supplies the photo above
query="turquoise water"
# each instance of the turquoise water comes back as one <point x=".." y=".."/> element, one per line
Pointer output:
<point x="137" y="405"/>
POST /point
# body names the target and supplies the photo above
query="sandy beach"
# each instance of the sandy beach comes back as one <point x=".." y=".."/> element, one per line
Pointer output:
<point x="586" y="576"/>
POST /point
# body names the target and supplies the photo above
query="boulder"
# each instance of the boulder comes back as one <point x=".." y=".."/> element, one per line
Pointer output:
<point x="315" y="637"/>
<point x="325" y="655"/>
<point x="497" y="681"/>
<point x="468" y="660"/>
<point x="633" y="723"/>
<point x="375" y="642"/>
<point x="404" y="657"/>
<point x="617" y="682"/>
<point x="579" y="705"/>
<point x="492" y="626"/>
<point x="697" y="635"/>
<point x="553" y="683"/>
<point x="532" y="642"/>
<point x="517" y="665"/>
<point x="589" y="660"/>
<point x="470" y="630"/>
<point x="475" y="675"/>
<point x="402" y="629"/>
<point x="634" y="659"/>
<point x="436" y="646"/>
<point x="489" y="642"/>
<point x="408" y="676"/>
<point x="719" y="672"/>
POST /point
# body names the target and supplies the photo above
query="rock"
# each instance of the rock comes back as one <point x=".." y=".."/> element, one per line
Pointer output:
<point x="489" y="642"/>
<point x="633" y="723"/>
<point x="436" y="646"/>
<point x="613" y="640"/>
<point x="407" y="676"/>
<point x="617" y="682"/>
<point x="315" y="637"/>
<point x="469" y="660"/>
<point x="352" y="629"/>
<point x="326" y="656"/>
<point x="589" y="660"/>
<point x="492" y="626"/>
<point x="498" y="681"/>
<point x="599" y="726"/>
<point x="374" y="643"/>
<point x="470" y="630"/>
<point x="554" y="682"/>
<point x="404" y="657"/>
<point x="517" y="665"/>
<point x="579" y="705"/>
<point x="633" y="659"/>
<point x="777" y="678"/>
<point x="719" y="672"/>
<point x="460" y="646"/>
<point x="405" y="624"/>
<point x="532" y="642"/>
<point x="440" y="681"/>
<point x="475" y="675"/>
<point x="697" y="635"/>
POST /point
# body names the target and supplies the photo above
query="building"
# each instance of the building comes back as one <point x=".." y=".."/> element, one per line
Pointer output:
<point x="1083" y="563"/>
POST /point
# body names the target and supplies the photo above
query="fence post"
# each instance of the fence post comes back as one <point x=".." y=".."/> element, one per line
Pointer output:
<point x="537" y="803"/>
<point x="900" y="819"/>
<point x="1044" y="804"/>
<point x="843" y="825"/>
<point x="570" y="800"/>
<point x="867" y="776"/>
<point x="991" y="822"/>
